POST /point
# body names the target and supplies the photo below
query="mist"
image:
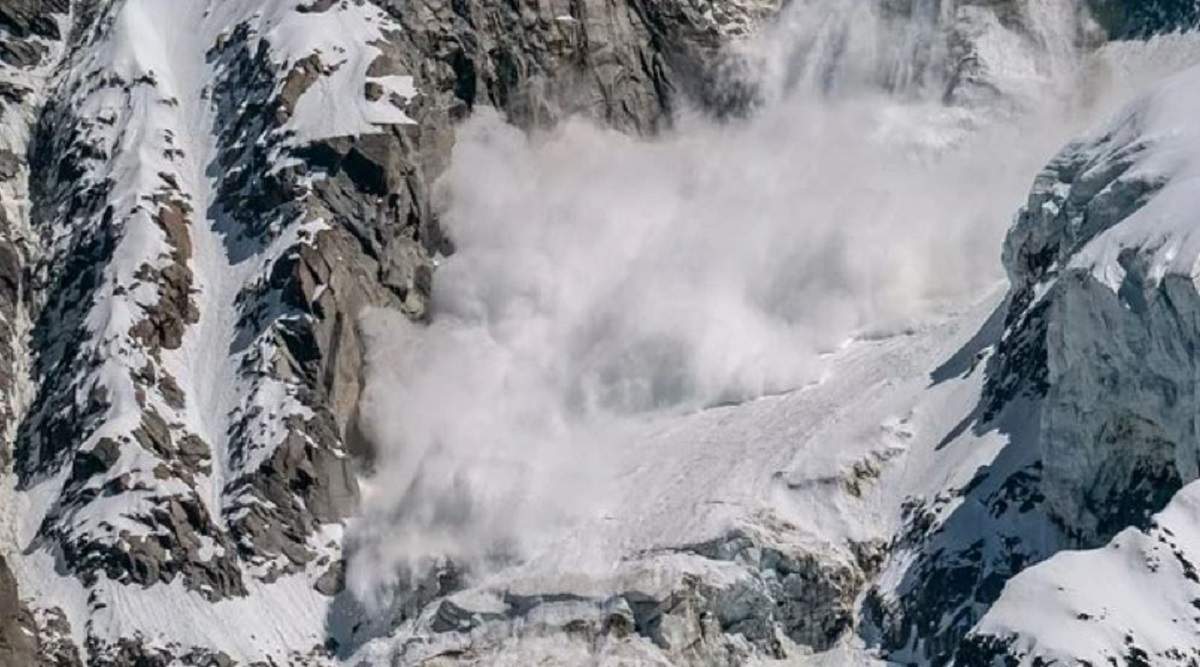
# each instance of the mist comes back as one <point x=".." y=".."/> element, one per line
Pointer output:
<point x="601" y="280"/>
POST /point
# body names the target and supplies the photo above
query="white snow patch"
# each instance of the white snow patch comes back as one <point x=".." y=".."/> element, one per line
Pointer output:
<point x="342" y="38"/>
<point x="1082" y="605"/>
<point x="1166" y="230"/>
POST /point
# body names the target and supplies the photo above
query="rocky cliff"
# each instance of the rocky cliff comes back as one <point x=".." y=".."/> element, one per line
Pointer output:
<point x="1089" y="375"/>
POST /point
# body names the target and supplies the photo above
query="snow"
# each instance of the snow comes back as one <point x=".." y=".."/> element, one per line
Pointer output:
<point x="280" y="619"/>
<point x="814" y="469"/>
<point x="790" y="454"/>
<point x="1083" y="605"/>
<point x="777" y="467"/>
<point x="1165" y="230"/>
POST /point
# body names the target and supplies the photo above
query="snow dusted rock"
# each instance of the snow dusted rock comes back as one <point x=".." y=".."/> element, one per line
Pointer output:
<point x="1012" y="54"/>
<point x="30" y="34"/>
<point x="1102" y="265"/>
<point x="29" y="25"/>
<point x="1091" y="379"/>
<point x="1127" y="20"/>
<point x="1107" y="252"/>
<point x="27" y="640"/>
<point x="199" y="199"/>
<point x="18" y="645"/>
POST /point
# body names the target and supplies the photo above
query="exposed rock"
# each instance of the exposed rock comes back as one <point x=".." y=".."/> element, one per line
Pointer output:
<point x="1132" y="20"/>
<point x="18" y="641"/>
<point x="333" y="581"/>
<point x="10" y="164"/>
<point x="135" y="651"/>
<point x="33" y="18"/>
<point x="812" y="598"/>
<point x="627" y="64"/>
<point x="767" y="601"/>
<point x="26" y="641"/>
<point x="26" y="26"/>
<point x="1089" y="383"/>
<point x="163" y="325"/>
<point x="23" y="54"/>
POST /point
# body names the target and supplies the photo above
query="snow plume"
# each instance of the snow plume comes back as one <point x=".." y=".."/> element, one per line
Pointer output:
<point x="600" y="277"/>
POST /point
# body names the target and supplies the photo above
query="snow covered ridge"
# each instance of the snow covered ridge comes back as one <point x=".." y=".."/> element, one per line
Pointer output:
<point x="1090" y="381"/>
<point x="175" y="440"/>
<point x="1104" y="263"/>
<point x="1133" y="601"/>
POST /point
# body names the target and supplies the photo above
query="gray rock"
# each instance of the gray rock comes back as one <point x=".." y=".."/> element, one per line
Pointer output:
<point x="18" y="639"/>
<point x="10" y="164"/>
<point x="1091" y="388"/>
<point x="333" y="580"/>
<point x="1132" y="20"/>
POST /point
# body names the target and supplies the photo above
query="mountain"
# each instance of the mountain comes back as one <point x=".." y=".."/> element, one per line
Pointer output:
<point x="186" y="390"/>
<point x="1124" y="261"/>
<point x="332" y="335"/>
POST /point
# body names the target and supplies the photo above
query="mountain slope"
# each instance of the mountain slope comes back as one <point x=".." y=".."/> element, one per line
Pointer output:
<point x="1127" y="262"/>
<point x="199" y="239"/>
<point x="199" y="201"/>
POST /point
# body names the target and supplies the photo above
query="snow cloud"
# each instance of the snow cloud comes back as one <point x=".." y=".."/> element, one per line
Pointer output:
<point x="600" y="277"/>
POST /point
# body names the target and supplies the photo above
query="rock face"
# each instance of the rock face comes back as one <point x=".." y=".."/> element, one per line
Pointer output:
<point x="1102" y="262"/>
<point x="26" y="640"/>
<point x="30" y="38"/>
<point x="1091" y="377"/>
<point x="18" y="644"/>
<point x="626" y="63"/>
<point x="1125" y="20"/>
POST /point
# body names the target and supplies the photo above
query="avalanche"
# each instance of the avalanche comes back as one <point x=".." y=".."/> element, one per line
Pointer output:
<point x="718" y="364"/>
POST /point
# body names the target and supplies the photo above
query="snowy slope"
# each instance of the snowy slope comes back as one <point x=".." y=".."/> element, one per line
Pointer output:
<point x="1133" y="598"/>
<point x="883" y="518"/>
